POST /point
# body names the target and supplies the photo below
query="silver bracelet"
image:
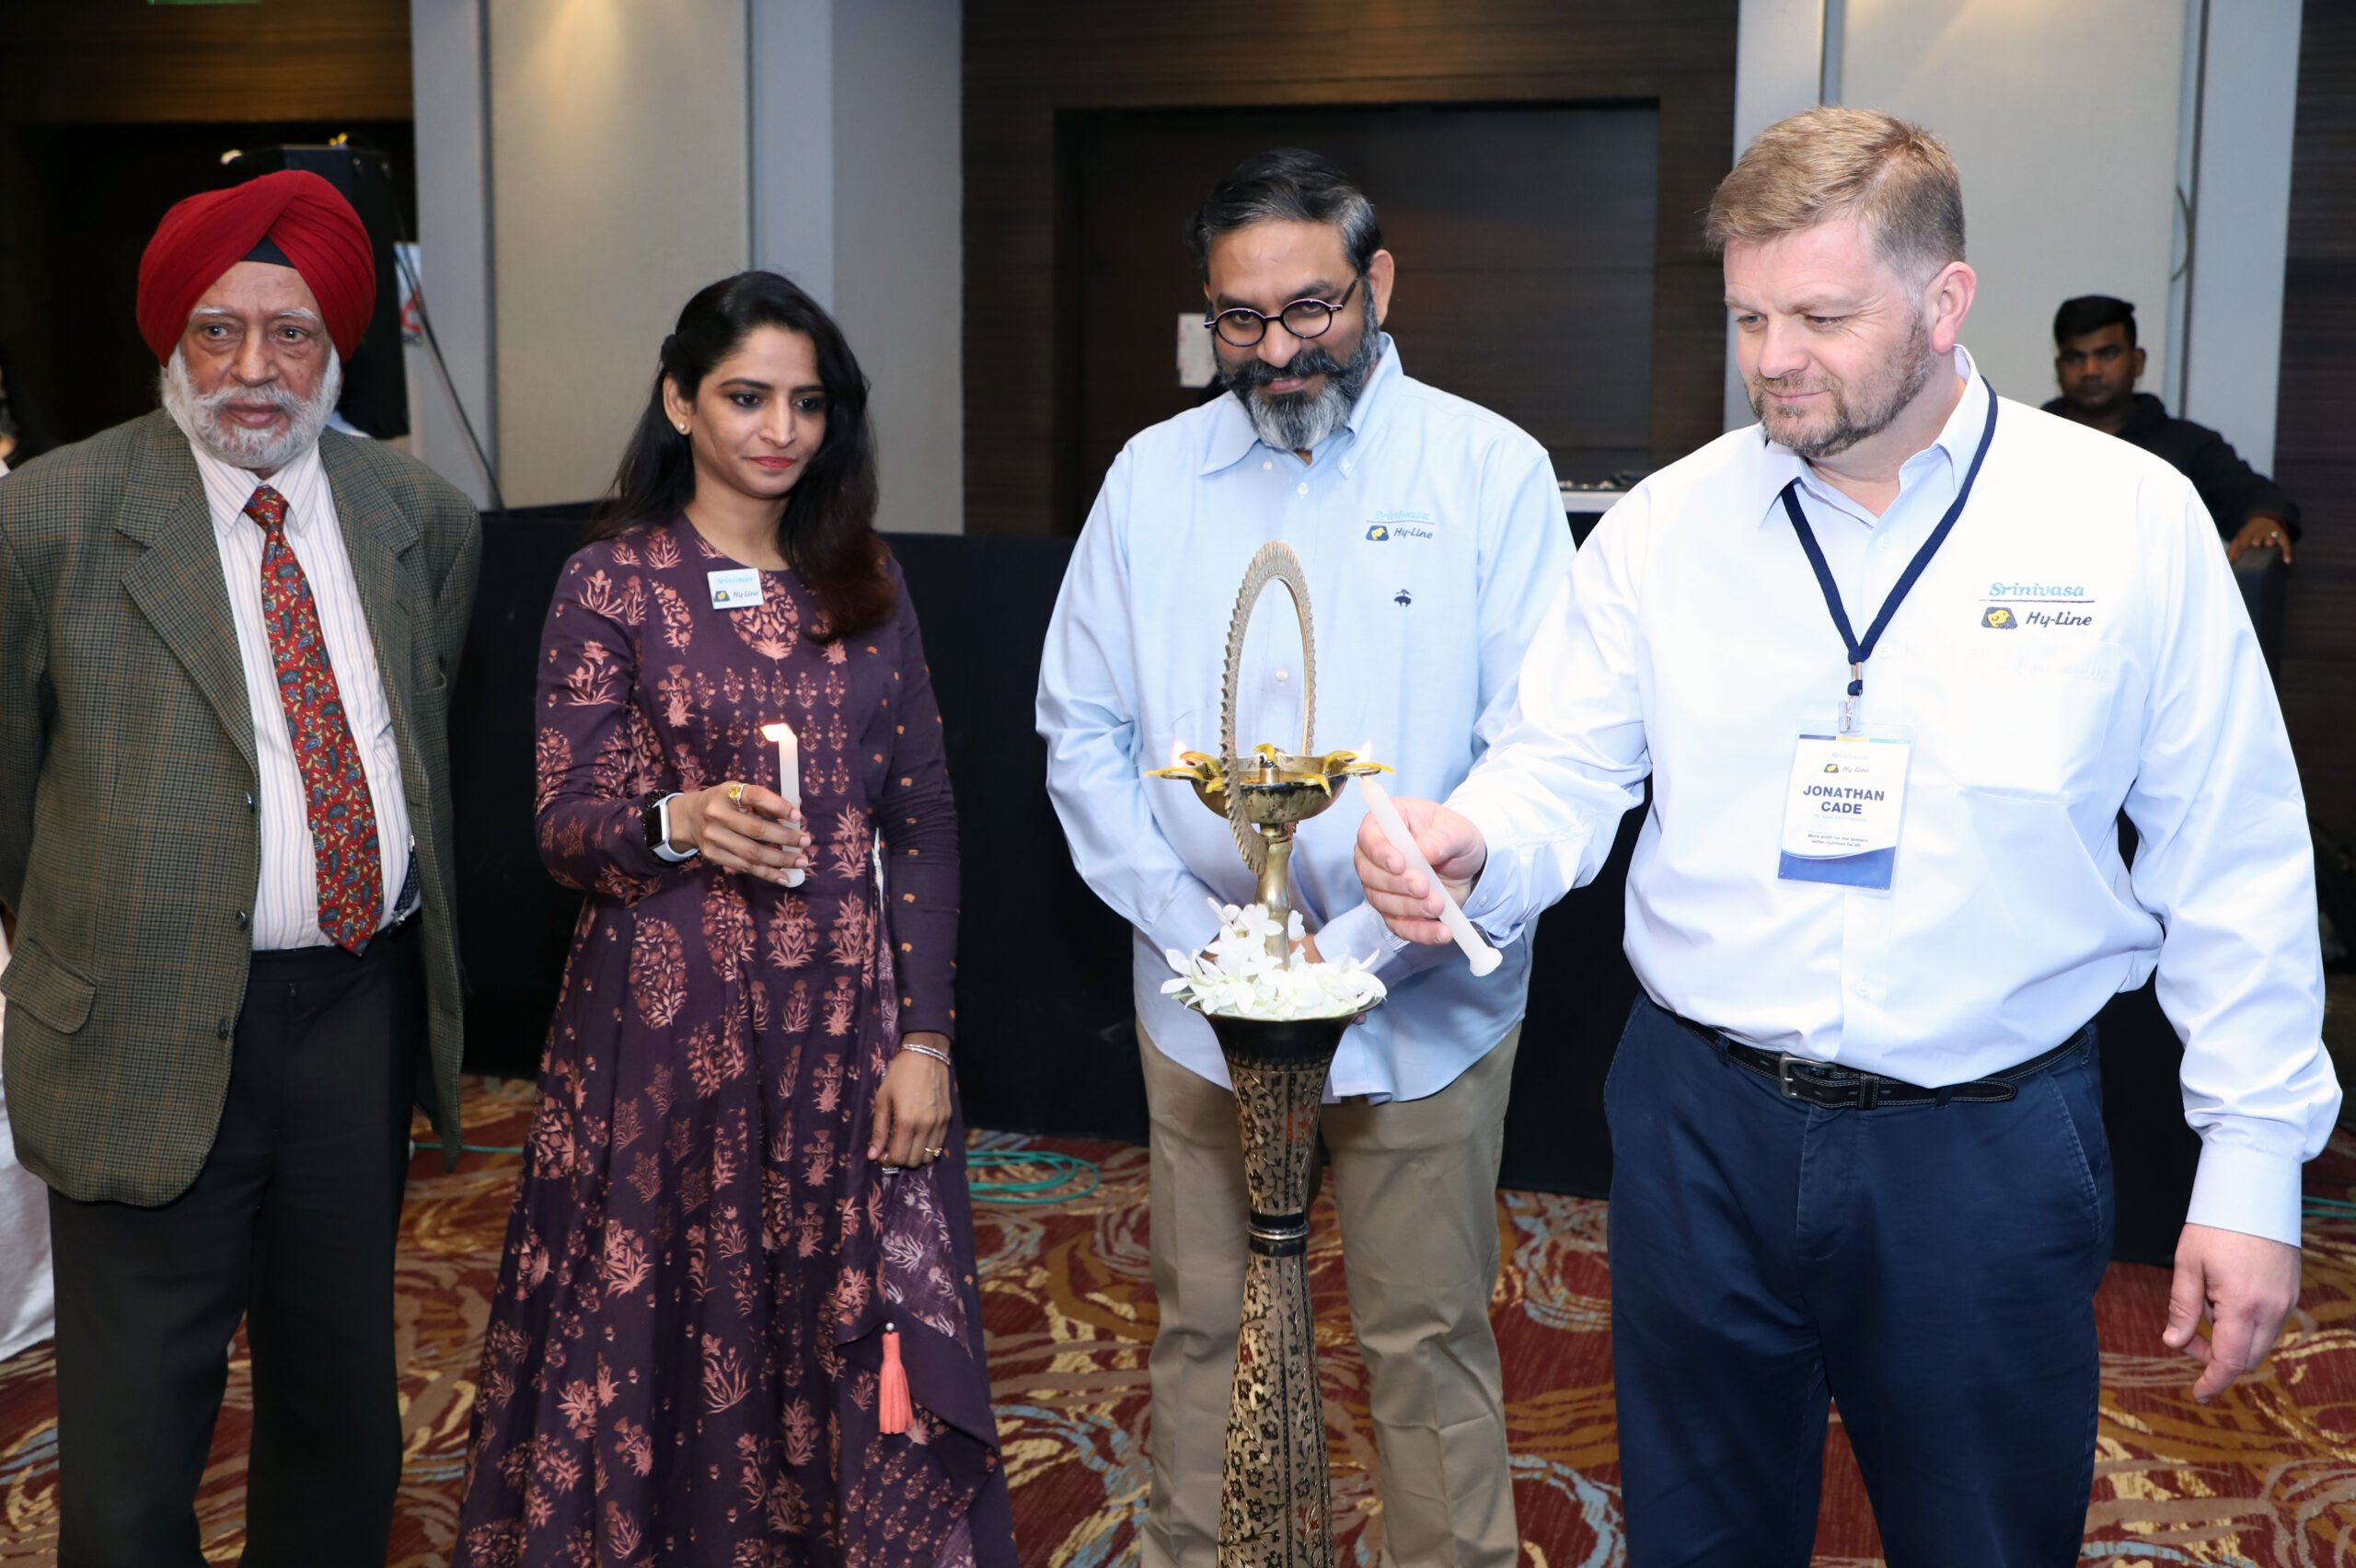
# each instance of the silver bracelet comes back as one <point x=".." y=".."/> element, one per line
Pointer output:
<point x="938" y="1056"/>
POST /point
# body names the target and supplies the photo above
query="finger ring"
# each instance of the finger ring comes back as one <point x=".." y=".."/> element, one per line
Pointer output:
<point x="936" y="1153"/>
<point x="735" y="794"/>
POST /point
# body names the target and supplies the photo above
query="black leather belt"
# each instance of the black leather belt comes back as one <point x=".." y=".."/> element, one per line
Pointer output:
<point x="1845" y="1088"/>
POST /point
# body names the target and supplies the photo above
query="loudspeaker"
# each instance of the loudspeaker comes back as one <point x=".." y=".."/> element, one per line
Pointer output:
<point x="375" y="377"/>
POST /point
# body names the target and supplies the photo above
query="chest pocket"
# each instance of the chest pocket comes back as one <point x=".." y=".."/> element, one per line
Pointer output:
<point x="2040" y="711"/>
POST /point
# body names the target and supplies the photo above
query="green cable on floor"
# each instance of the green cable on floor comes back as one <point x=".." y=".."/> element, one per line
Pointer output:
<point x="1063" y="1171"/>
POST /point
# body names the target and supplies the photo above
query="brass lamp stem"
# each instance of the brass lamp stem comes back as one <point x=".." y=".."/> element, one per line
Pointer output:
<point x="1275" y="888"/>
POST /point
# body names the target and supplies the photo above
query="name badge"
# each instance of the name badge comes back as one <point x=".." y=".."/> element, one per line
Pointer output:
<point x="735" y="589"/>
<point x="1843" y="807"/>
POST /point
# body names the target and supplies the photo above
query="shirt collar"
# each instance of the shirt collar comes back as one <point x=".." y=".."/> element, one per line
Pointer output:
<point x="1957" y="440"/>
<point x="229" y="487"/>
<point x="1232" y="438"/>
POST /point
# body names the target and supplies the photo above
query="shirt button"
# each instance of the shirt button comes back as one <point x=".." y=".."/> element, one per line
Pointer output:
<point x="1304" y="486"/>
<point x="1284" y="675"/>
<point x="1266" y="463"/>
<point x="244" y="920"/>
<point x="221" y="1030"/>
<point x="1862" y="987"/>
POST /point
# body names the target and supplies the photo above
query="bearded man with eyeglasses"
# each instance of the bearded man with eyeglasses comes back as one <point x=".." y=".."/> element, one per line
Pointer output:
<point x="1434" y="538"/>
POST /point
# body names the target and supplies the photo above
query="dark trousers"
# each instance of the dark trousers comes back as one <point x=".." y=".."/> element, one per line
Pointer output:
<point x="1932" y="1268"/>
<point x="290" y="1226"/>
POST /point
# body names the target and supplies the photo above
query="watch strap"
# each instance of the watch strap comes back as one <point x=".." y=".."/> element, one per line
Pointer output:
<point x="658" y="830"/>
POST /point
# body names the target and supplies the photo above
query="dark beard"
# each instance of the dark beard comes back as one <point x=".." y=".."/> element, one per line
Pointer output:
<point x="1295" y="421"/>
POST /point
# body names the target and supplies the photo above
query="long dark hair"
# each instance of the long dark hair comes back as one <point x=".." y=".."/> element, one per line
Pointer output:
<point x="829" y="527"/>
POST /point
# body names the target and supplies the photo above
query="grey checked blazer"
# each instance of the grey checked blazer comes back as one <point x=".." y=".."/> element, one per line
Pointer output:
<point x="129" y="844"/>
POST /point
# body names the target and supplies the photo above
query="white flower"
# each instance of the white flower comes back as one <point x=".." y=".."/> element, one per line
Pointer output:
<point x="1239" y="978"/>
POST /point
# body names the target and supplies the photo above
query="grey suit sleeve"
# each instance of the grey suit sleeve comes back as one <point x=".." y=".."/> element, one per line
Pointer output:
<point x="24" y="676"/>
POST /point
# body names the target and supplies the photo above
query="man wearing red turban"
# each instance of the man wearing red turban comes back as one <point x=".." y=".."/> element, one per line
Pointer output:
<point x="226" y="640"/>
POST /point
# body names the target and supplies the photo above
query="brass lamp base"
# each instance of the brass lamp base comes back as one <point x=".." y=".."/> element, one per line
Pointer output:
<point x="1277" y="1500"/>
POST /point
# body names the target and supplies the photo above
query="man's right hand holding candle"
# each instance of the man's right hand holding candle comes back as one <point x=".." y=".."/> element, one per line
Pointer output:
<point x="740" y="828"/>
<point x="1409" y="904"/>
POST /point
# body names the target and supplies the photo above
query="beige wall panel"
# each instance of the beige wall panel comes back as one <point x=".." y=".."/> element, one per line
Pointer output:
<point x="618" y="147"/>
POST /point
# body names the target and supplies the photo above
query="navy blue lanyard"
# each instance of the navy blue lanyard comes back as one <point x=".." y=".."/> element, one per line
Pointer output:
<point x="1859" y="651"/>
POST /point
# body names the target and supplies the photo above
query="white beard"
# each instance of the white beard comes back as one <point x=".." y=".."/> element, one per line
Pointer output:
<point x="199" y="417"/>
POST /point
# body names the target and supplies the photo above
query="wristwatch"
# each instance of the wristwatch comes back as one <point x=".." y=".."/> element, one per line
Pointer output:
<point x="654" y="818"/>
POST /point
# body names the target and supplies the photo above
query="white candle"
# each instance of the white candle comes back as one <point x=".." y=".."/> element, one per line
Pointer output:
<point x="789" y="776"/>
<point x="1484" y="958"/>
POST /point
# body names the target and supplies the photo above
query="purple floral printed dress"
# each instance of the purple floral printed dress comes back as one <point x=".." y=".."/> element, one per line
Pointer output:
<point x="683" y="1356"/>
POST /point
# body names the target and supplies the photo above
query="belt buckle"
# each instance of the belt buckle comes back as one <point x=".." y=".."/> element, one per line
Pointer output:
<point x="1784" y="1082"/>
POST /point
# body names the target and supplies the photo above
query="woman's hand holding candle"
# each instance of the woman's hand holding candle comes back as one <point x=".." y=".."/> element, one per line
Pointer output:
<point x="1418" y="860"/>
<point x="789" y="776"/>
<point x="742" y="827"/>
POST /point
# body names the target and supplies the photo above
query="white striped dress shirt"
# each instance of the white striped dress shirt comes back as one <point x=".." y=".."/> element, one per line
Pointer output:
<point x="286" y="901"/>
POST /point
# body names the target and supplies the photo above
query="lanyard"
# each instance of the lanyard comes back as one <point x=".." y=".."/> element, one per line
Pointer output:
<point x="1859" y="651"/>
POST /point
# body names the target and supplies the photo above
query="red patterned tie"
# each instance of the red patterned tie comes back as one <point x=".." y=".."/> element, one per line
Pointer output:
<point x="349" y="865"/>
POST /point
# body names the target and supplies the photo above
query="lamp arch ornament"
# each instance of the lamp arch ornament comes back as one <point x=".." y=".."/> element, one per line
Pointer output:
<point x="1275" y="563"/>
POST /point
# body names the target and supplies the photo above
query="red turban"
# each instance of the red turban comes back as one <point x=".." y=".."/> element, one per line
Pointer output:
<point x="307" y="218"/>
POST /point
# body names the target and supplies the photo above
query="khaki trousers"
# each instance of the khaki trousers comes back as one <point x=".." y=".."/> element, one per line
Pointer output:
<point x="1415" y="1181"/>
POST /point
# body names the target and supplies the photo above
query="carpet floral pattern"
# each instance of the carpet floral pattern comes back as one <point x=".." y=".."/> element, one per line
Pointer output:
<point x="2266" y="1476"/>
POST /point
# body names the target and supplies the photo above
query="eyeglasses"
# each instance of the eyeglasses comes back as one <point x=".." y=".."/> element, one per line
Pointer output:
<point x="1243" y="328"/>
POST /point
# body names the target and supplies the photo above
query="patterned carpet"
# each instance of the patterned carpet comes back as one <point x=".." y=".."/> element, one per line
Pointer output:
<point x="2266" y="1477"/>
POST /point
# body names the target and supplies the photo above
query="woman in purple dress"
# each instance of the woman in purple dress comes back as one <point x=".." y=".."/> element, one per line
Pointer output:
<point x="749" y="1160"/>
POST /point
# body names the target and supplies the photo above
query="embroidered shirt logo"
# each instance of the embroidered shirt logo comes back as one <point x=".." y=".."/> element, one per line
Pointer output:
<point x="1387" y="523"/>
<point x="2037" y="606"/>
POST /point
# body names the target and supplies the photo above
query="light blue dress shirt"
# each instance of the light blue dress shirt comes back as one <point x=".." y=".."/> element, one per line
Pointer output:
<point x="2076" y="647"/>
<point x="1433" y="536"/>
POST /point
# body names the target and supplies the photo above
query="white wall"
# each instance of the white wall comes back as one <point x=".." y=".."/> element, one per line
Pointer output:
<point x="857" y="188"/>
<point x="2232" y="351"/>
<point x="453" y="224"/>
<point x="1778" y="69"/>
<point x="2074" y="124"/>
<point x="793" y="101"/>
<point x="2063" y="120"/>
<point x="899" y="254"/>
<point x="585" y="164"/>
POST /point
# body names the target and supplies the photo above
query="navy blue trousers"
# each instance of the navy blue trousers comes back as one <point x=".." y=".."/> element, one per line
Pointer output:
<point x="1931" y="1268"/>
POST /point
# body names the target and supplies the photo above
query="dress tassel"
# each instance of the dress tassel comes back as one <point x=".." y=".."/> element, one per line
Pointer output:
<point x="892" y="1409"/>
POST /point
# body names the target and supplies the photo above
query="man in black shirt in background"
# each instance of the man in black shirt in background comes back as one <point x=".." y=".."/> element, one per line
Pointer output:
<point x="2097" y="364"/>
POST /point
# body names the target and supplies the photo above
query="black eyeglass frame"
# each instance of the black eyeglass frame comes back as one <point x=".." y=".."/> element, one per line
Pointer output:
<point x="1332" y="308"/>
